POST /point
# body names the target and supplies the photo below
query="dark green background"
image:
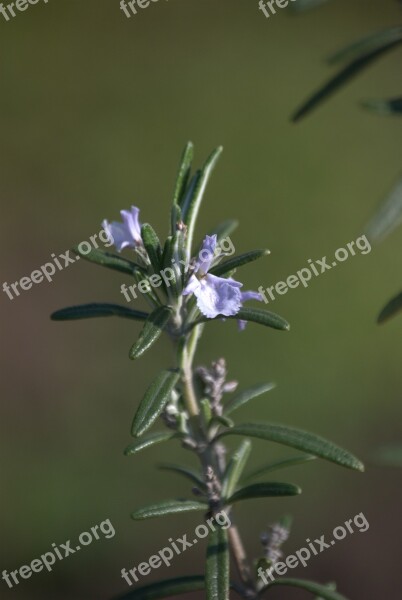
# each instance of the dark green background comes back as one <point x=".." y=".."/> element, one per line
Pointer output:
<point x="94" y="111"/>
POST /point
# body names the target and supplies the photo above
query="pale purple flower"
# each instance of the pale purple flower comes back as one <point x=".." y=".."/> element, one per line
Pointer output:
<point x="128" y="233"/>
<point x="215" y="295"/>
<point x="250" y="295"/>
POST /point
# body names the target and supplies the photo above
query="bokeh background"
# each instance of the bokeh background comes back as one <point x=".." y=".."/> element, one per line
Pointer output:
<point x="94" y="111"/>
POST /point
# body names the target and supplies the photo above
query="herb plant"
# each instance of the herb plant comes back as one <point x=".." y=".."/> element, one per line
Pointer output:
<point x="196" y="405"/>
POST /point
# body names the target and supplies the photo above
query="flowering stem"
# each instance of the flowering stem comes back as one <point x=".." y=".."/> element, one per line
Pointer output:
<point x="208" y="454"/>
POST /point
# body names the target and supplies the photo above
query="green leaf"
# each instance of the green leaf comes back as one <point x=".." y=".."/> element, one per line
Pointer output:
<point x="221" y="420"/>
<point x="296" y="438"/>
<point x="149" y="440"/>
<point x="169" y="507"/>
<point x="166" y="588"/>
<point x="255" y="315"/>
<point x="156" y="397"/>
<point x="89" y="311"/>
<point x="264" y="490"/>
<point x="170" y="587"/>
<point x="186" y="200"/>
<point x="315" y="588"/>
<point x="206" y="411"/>
<point x="388" y="216"/>
<point x="246" y="395"/>
<point x="392" y="106"/>
<point x="368" y="43"/>
<point x="194" y="204"/>
<point x="154" y="326"/>
<point x="109" y="260"/>
<point x="185" y="472"/>
<point x="173" y="252"/>
<point x="238" y="261"/>
<point x="392" y="308"/>
<point x="280" y="464"/>
<point x="235" y="469"/>
<point x="329" y="586"/>
<point x="217" y="567"/>
<point x="351" y="70"/>
<point x="152" y="246"/>
<point x="184" y="173"/>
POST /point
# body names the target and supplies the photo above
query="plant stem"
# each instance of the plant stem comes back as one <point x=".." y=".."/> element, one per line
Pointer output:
<point x="208" y="454"/>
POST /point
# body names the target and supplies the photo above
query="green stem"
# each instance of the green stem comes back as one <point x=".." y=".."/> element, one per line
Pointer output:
<point x="207" y="452"/>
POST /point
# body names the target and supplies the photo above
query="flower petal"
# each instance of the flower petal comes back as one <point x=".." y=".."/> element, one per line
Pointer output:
<point x="120" y="235"/>
<point x="218" y="296"/>
<point x="193" y="284"/>
<point x="249" y="295"/>
<point x="126" y="234"/>
<point x="206" y="254"/>
<point x="132" y="223"/>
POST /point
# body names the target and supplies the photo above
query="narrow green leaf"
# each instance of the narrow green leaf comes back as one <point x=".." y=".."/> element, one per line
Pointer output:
<point x="329" y="586"/>
<point x="169" y="507"/>
<point x="235" y="469"/>
<point x="152" y="246"/>
<point x="264" y="490"/>
<point x="391" y="309"/>
<point x="280" y="464"/>
<point x="186" y="472"/>
<point x="238" y="261"/>
<point x="166" y="588"/>
<point x="154" y="326"/>
<point x="310" y="586"/>
<point x="368" y="43"/>
<point x="194" y="204"/>
<point x="217" y="568"/>
<point x="187" y="198"/>
<point x="296" y="438"/>
<point x="109" y="260"/>
<point x="170" y="587"/>
<point x="351" y="70"/>
<point x="184" y="173"/>
<point x="388" y="216"/>
<point x="221" y="420"/>
<point x="175" y="218"/>
<point x="246" y="395"/>
<point x="392" y="106"/>
<point x="173" y="252"/>
<point x="156" y="397"/>
<point x="255" y="315"/>
<point x="89" y="311"/>
<point x="149" y="440"/>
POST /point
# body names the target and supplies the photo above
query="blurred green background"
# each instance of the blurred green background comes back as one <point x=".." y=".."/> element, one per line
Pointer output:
<point x="95" y="110"/>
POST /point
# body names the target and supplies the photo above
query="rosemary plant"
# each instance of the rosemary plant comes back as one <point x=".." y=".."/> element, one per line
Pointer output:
<point x="186" y="288"/>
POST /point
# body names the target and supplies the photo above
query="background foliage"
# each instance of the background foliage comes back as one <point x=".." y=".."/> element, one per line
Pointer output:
<point x="95" y="109"/>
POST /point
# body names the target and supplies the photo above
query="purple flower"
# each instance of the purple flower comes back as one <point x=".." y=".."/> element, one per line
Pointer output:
<point x="215" y="295"/>
<point x="126" y="234"/>
<point x="250" y="295"/>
